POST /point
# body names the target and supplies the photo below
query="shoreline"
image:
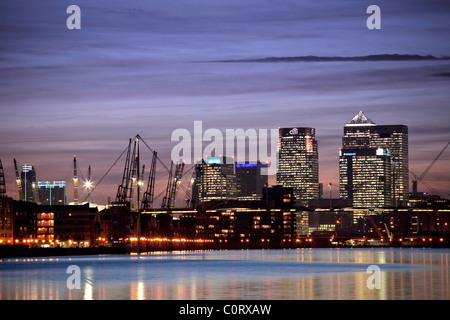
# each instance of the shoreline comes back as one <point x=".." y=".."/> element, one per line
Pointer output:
<point x="8" y="252"/>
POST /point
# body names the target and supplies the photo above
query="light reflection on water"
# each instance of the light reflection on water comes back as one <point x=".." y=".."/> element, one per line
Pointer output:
<point x="417" y="273"/>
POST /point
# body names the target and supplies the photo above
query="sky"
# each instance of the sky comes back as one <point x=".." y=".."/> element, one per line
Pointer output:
<point x="150" y="67"/>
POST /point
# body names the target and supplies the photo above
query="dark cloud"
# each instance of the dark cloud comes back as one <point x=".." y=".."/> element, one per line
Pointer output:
<point x="376" y="57"/>
<point x="441" y="74"/>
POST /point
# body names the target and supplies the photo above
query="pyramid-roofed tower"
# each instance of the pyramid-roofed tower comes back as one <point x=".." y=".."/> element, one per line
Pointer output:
<point x="360" y="120"/>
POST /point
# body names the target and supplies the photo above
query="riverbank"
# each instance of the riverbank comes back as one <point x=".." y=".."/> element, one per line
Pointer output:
<point x="24" y="251"/>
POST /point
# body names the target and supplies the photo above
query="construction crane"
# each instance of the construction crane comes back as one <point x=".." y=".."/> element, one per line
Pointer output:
<point x="134" y="170"/>
<point x="88" y="185"/>
<point x="389" y="233"/>
<point x="126" y="188"/>
<point x="175" y="185"/>
<point x="416" y="179"/>
<point x="375" y="227"/>
<point x="131" y="185"/>
<point x="18" y="182"/>
<point x="140" y="184"/>
<point x="165" y="202"/>
<point x="75" y="180"/>
<point x="2" y="181"/>
<point x="188" y="196"/>
<point x="147" y="199"/>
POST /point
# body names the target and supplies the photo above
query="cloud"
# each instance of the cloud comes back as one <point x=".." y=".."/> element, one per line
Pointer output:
<point x="441" y="74"/>
<point x="375" y="57"/>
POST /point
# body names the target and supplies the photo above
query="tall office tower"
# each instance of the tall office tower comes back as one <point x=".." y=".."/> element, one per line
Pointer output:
<point x="366" y="177"/>
<point x="298" y="165"/>
<point x="250" y="181"/>
<point x="215" y="179"/>
<point x="362" y="133"/>
<point x="28" y="176"/>
<point x="52" y="193"/>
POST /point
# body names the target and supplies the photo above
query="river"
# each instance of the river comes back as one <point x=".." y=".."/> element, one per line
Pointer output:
<point x="300" y="274"/>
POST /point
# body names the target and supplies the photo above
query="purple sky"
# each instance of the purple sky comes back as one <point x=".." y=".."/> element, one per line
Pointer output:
<point x="148" y="67"/>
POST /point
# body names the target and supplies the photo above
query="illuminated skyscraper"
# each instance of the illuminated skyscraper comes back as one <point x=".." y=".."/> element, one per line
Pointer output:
<point x="361" y="133"/>
<point x="298" y="165"/>
<point x="366" y="177"/>
<point x="215" y="180"/>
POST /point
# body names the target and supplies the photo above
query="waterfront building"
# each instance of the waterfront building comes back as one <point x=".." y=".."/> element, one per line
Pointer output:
<point x="6" y="220"/>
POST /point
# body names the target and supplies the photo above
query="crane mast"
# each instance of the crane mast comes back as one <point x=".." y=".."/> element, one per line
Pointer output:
<point x="121" y="195"/>
<point x="2" y="181"/>
<point x="165" y="201"/>
<point x="188" y="196"/>
<point x="89" y="185"/>
<point x="147" y="200"/>
<point x="18" y="182"/>
<point x="175" y="185"/>
<point x="75" y="180"/>
<point x="140" y="187"/>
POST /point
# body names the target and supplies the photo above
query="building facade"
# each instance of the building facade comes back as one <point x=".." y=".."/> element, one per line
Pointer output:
<point x="215" y="180"/>
<point x="250" y="181"/>
<point x="298" y="165"/>
<point x="29" y="187"/>
<point x="366" y="177"/>
<point x="6" y="220"/>
<point x="361" y="133"/>
<point x="52" y="193"/>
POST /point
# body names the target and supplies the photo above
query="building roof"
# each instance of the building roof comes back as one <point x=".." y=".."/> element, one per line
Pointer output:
<point x="360" y="120"/>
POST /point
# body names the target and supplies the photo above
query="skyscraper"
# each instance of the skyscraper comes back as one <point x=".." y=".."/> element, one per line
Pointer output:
<point x="250" y="181"/>
<point x="361" y="133"/>
<point x="298" y="165"/>
<point x="366" y="177"/>
<point x="215" y="179"/>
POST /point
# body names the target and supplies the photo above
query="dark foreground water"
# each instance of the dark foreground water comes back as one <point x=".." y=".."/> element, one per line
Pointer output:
<point x="419" y="273"/>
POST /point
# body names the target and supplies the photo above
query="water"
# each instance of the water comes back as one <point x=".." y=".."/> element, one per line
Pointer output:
<point x="419" y="273"/>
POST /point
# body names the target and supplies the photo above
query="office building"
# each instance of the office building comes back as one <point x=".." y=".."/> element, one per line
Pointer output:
<point x="52" y="193"/>
<point x="361" y="133"/>
<point x="366" y="177"/>
<point x="250" y="181"/>
<point x="298" y="165"/>
<point x="215" y="180"/>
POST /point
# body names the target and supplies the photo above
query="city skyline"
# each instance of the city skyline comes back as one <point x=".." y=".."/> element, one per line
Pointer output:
<point x="149" y="69"/>
<point x="85" y="191"/>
